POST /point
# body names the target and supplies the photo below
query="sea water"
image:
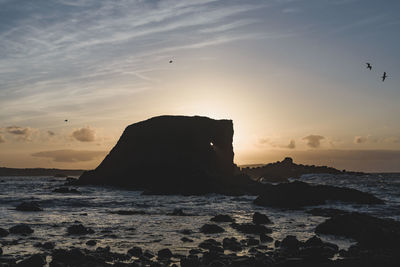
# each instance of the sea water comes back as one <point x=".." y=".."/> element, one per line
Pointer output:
<point x="95" y="208"/>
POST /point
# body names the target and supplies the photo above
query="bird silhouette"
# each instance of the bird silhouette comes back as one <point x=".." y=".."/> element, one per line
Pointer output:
<point x="369" y="66"/>
<point x="170" y="61"/>
<point x="384" y="76"/>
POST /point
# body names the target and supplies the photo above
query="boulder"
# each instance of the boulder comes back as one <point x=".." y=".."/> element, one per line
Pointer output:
<point x="178" y="212"/>
<point x="171" y="155"/>
<point x="21" y="229"/>
<point x="211" y="229"/>
<point x="79" y="229"/>
<point x="231" y="244"/>
<point x="135" y="252"/>
<point x="222" y="218"/>
<point x="369" y="231"/>
<point x="35" y="260"/>
<point x="186" y="240"/>
<point x="290" y="242"/>
<point x="91" y="243"/>
<point x="264" y="238"/>
<point x="212" y="246"/>
<point x="299" y="194"/>
<point x="29" y="206"/>
<point x="259" y="218"/>
<point x="164" y="253"/>
<point x="3" y="232"/>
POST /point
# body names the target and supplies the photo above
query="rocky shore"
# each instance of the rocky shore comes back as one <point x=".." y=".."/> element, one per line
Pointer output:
<point x="377" y="245"/>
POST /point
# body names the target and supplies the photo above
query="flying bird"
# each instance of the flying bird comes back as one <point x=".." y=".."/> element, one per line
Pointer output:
<point x="369" y="66"/>
<point x="384" y="76"/>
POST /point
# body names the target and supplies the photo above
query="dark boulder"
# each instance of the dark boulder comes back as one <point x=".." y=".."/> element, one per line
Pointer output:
<point x="49" y="245"/>
<point x="135" y="252"/>
<point x="178" y="212"/>
<point x="249" y="228"/>
<point x="29" y="206"/>
<point x="164" y="253"/>
<point x="186" y="240"/>
<point x="264" y="238"/>
<point x="73" y="257"/>
<point x="35" y="260"/>
<point x="211" y="229"/>
<point x="299" y="194"/>
<point x="21" y="229"/>
<point x="291" y="242"/>
<point x="190" y="261"/>
<point x="210" y="244"/>
<point x="186" y="231"/>
<point x="3" y="232"/>
<point x="79" y="229"/>
<point x="222" y="218"/>
<point x="369" y="231"/>
<point x="259" y="218"/>
<point x="231" y="244"/>
<point x="172" y="155"/>
<point x="91" y="243"/>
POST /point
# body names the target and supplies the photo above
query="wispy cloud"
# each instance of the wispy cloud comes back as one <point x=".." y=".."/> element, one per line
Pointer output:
<point x="72" y="48"/>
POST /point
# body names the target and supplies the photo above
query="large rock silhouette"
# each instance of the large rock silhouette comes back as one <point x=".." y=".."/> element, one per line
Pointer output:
<point x="170" y="154"/>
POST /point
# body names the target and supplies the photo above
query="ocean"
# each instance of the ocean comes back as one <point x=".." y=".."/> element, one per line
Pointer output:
<point x="95" y="208"/>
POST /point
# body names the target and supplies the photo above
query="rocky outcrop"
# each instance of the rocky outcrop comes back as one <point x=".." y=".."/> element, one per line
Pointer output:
<point x="171" y="154"/>
<point x="369" y="231"/>
<point x="280" y="171"/>
<point x="299" y="194"/>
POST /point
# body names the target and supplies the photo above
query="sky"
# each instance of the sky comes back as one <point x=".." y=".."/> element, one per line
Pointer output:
<point x="291" y="74"/>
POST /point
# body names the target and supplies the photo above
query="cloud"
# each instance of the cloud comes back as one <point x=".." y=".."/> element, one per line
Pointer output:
<point x="2" y="140"/>
<point x="84" y="134"/>
<point x="314" y="141"/>
<point x="51" y="133"/>
<point x="392" y="139"/>
<point x="21" y="132"/>
<point x="360" y="139"/>
<point x="291" y="145"/>
<point x="70" y="156"/>
<point x="268" y="141"/>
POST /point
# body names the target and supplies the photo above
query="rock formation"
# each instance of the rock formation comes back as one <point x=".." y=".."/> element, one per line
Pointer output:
<point x="299" y="194"/>
<point x="170" y="154"/>
<point x="280" y="171"/>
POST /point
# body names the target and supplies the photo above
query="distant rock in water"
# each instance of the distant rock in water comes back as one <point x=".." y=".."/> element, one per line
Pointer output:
<point x="281" y="171"/>
<point x="66" y="190"/>
<point x="171" y="154"/>
<point x="299" y="194"/>
<point x="29" y="206"/>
